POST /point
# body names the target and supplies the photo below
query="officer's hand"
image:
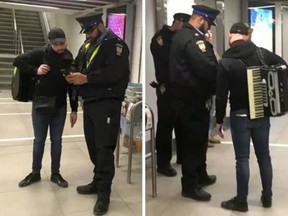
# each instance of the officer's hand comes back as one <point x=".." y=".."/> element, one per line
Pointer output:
<point x="43" y="69"/>
<point x="76" y="78"/>
<point x="154" y="84"/>
<point x="219" y="130"/>
<point x="73" y="118"/>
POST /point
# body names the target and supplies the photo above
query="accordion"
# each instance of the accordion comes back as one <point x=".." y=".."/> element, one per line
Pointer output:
<point x="267" y="91"/>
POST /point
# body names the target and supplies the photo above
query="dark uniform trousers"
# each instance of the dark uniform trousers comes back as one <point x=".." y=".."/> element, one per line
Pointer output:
<point x="101" y="127"/>
<point x="168" y="113"/>
<point x="195" y="127"/>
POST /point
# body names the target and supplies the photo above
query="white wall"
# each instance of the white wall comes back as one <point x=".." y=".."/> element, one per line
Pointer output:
<point x="232" y="14"/>
<point x="150" y="29"/>
<point x="278" y="28"/>
<point x="178" y="6"/>
<point x="137" y="41"/>
<point x="285" y="33"/>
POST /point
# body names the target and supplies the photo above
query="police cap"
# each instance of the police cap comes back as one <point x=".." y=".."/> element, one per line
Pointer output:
<point x="239" y="28"/>
<point x="208" y="13"/>
<point x="182" y="17"/>
<point x="88" y="22"/>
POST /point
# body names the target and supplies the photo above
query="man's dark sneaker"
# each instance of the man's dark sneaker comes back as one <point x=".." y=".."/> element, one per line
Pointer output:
<point x="58" y="179"/>
<point x="30" y="179"/>
<point x="167" y="171"/>
<point x="87" y="189"/>
<point x="101" y="208"/>
<point x="209" y="180"/>
<point x="197" y="194"/>
<point x="235" y="205"/>
<point x="266" y="201"/>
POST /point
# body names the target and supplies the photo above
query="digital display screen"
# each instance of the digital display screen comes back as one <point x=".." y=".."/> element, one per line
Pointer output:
<point x="262" y="23"/>
<point x="116" y="22"/>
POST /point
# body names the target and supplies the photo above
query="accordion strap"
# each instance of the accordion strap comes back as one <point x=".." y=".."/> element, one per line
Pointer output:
<point x="260" y="55"/>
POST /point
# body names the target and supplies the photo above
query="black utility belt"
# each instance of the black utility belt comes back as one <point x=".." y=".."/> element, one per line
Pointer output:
<point x="95" y="100"/>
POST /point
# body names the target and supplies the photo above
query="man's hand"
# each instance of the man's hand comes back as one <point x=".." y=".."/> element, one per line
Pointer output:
<point x="43" y="69"/>
<point x="76" y="78"/>
<point x="154" y="84"/>
<point x="219" y="130"/>
<point x="73" y="118"/>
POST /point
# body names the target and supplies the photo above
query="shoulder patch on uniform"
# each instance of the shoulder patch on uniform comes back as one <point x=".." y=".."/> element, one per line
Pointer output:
<point x="201" y="45"/>
<point x="119" y="49"/>
<point x="159" y="40"/>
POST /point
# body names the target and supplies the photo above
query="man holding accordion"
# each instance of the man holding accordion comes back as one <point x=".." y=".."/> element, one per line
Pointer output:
<point x="250" y="89"/>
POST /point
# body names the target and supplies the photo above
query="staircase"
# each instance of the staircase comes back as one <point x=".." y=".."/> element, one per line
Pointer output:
<point x="29" y="24"/>
<point x="6" y="31"/>
<point x="6" y="70"/>
<point x="32" y="36"/>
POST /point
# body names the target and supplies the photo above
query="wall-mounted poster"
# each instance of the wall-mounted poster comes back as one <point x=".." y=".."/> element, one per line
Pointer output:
<point x="262" y="22"/>
<point x="116" y="22"/>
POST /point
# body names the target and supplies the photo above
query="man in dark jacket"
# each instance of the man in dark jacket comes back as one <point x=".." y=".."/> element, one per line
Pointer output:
<point x="166" y="105"/>
<point x="102" y="82"/>
<point x="232" y="78"/>
<point x="48" y="64"/>
<point x="193" y="68"/>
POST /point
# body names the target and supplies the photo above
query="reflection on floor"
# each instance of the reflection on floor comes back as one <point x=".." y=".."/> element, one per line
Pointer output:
<point x="221" y="163"/>
<point x="45" y="198"/>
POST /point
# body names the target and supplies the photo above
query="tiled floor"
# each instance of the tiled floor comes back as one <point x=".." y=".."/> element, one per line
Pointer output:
<point x="169" y="201"/>
<point x="45" y="198"/>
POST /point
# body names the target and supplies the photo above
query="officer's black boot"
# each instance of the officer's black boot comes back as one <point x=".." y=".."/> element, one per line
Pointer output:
<point x="87" y="189"/>
<point x="102" y="205"/>
<point x="194" y="191"/>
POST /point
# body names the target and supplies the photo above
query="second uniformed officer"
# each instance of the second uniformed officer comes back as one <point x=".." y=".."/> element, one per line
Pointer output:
<point x="166" y="106"/>
<point x="193" y="67"/>
<point x="102" y="83"/>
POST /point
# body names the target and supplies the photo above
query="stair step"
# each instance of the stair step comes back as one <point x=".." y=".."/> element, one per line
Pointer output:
<point x="6" y="60"/>
<point x="20" y="17"/>
<point x="6" y="71"/>
<point x="4" y="65"/>
<point x="29" y="30"/>
<point x="5" y="85"/>
<point x="10" y="24"/>
<point x="6" y="40"/>
<point x="7" y="51"/>
<point x="29" y="25"/>
<point x="6" y="78"/>
<point x="24" y="21"/>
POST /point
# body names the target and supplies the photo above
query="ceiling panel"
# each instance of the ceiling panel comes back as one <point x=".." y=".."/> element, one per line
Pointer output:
<point x="64" y="4"/>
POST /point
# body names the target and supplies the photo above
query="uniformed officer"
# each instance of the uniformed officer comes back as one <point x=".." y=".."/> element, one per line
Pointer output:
<point x="102" y="82"/>
<point x="193" y="74"/>
<point x="160" y="49"/>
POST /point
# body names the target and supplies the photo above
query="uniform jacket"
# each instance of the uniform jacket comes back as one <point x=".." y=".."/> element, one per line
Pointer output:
<point x="160" y="48"/>
<point x="193" y="65"/>
<point x="232" y="76"/>
<point x="53" y="83"/>
<point x="108" y="72"/>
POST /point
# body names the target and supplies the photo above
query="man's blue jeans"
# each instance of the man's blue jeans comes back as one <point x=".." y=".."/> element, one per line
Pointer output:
<point x="55" y="121"/>
<point x="242" y="129"/>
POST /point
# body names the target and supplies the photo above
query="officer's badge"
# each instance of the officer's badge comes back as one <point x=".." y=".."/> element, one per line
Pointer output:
<point x="119" y="49"/>
<point x="201" y="45"/>
<point x="160" y="41"/>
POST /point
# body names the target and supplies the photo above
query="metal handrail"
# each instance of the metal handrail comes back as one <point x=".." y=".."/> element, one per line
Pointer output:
<point x="15" y="38"/>
<point x="21" y="41"/>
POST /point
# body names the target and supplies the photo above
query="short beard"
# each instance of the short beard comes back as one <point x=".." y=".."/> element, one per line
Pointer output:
<point x="202" y="29"/>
